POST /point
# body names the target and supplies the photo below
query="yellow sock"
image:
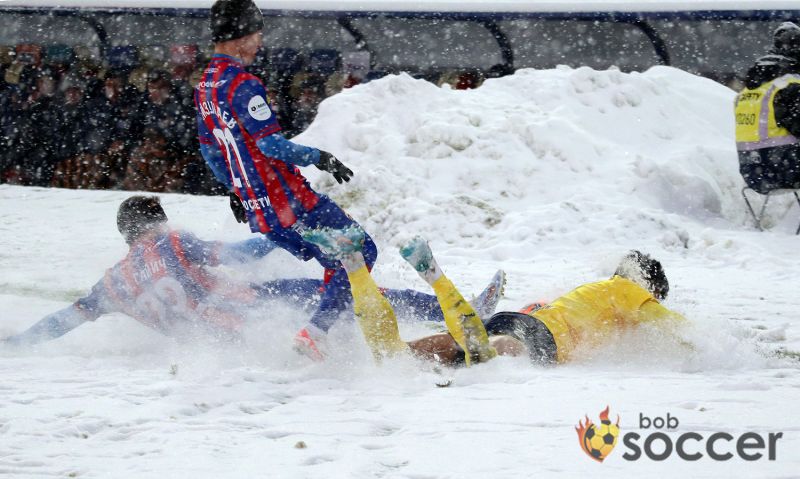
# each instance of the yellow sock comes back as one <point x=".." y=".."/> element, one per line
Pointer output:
<point x="375" y="315"/>
<point x="462" y="321"/>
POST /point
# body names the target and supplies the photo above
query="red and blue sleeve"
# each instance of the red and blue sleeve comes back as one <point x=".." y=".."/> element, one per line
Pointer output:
<point x="199" y="252"/>
<point x="61" y="322"/>
<point x="245" y="251"/>
<point x="214" y="253"/>
<point x="96" y="304"/>
<point x="252" y="109"/>
<point x="254" y="112"/>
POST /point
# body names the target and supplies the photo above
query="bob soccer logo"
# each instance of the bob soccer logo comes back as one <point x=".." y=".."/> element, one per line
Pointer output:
<point x="598" y="440"/>
<point x="658" y="439"/>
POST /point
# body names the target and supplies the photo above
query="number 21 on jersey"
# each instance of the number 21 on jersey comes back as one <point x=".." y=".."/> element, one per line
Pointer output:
<point x="228" y="142"/>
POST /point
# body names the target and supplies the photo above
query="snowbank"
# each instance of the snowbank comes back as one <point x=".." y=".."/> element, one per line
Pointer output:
<point x="534" y="149"/>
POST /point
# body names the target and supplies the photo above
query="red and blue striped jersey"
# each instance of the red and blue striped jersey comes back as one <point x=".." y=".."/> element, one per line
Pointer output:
<point x="233" y="113"/>
<point x="163" y="283"/>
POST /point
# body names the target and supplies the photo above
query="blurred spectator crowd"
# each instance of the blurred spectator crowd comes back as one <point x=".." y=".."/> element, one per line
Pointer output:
<point x="72" y="118"/>
<point x="69" y="120"/>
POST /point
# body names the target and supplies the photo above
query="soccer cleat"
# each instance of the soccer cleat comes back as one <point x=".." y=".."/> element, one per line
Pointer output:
<point x="337" y="243"/>
<point x="305" y="345"/>
<point x="486" y="302"/>
<point x="418" y="254"/>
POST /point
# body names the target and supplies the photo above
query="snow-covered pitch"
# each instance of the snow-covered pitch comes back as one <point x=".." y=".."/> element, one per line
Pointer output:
<point x="550" y="175"/>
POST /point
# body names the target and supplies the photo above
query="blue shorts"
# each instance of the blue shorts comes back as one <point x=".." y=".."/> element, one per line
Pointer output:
<point x="533" y="333"/>
<point x="336" y="297"/>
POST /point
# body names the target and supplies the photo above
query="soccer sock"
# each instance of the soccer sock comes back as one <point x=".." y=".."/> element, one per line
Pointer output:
<point x="353" y="262"/>
<point x="374" y="313"/>
<point x="433" y="273"/>
<point x="462" y="321"/>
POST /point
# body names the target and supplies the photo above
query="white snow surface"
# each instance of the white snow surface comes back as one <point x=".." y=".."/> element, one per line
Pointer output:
<point x="551" y="175"/>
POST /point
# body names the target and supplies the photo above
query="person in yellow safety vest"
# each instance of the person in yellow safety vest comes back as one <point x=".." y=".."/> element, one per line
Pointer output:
<point x="767" y="113"/>
<point x="548" y="334"/>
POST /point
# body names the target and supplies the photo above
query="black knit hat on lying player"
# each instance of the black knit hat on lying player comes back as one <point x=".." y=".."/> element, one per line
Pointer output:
<point x="644" y="271"/>
<point x="139" y="214"/>
<point x="232" y="19"/>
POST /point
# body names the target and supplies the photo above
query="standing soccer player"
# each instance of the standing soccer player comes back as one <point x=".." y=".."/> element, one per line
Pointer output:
<point x="240" y="140"/>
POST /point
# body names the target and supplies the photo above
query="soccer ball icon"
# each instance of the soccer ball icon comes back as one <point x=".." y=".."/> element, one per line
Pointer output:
<point x="598" y="440"/>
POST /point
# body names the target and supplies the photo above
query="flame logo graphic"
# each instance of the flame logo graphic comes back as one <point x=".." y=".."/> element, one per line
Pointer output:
<point x="597" y="441"/>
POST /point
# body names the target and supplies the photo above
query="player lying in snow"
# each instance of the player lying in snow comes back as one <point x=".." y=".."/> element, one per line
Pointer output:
<point x="165" y="283"/>
<point x="588" y="315"/>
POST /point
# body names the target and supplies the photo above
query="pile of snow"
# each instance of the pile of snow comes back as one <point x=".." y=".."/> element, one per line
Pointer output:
<point x="527" y="166"/>
<point x="550" y="175"/>
<point x="523" y="153"/>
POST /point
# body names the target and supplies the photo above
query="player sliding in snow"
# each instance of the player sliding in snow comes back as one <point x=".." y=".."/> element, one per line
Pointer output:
<point x="548" y="334"/>
<point x="165" y="283"/>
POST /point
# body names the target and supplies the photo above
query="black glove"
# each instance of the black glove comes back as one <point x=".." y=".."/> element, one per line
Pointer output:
<point x="328" y="162"/>
<point x="238" y="210"/>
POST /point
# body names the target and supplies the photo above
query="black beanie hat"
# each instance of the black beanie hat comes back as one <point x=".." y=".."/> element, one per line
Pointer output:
<point x="232" y="19"/>
<point x="787" y="39"/>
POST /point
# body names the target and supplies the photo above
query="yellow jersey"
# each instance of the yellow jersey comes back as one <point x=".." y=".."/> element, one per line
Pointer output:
<point x="590" y="313"/>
